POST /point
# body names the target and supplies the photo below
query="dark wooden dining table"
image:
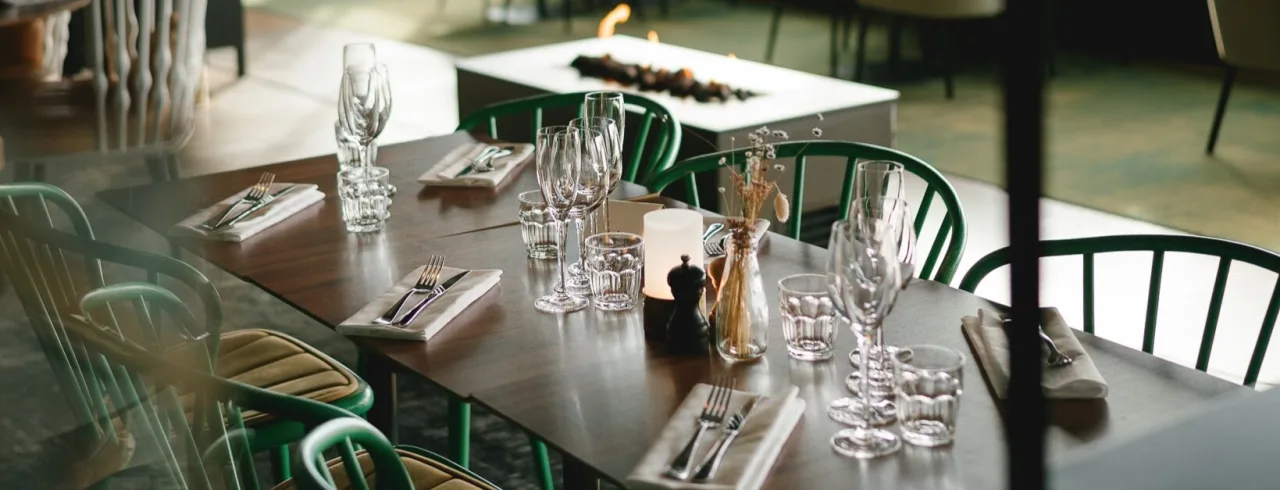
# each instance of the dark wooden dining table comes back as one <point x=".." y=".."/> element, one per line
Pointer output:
<point x="588" y="383"/>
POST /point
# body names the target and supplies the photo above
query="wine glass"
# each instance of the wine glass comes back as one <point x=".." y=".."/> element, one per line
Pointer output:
<point x="885" y="218"/>
<point x="558" y="170"/>
<point x="863" y="278"/>
<point x="603" y="132"/>
<point x="609" y="105"/>
<point x="874" y="179"/>
<point x="364" y="105"/>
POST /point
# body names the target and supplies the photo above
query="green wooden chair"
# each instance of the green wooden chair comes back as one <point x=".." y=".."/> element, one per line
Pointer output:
<point x="1226" y="251"/>
<point x="939" y="265"/>
<point x="58" y="267"/>
<point x="642" y="157"/>
<point x="396" y="467"/>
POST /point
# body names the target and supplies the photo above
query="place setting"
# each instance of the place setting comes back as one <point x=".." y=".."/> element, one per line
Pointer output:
<point x="421" y="304"/>
<point x="249" y="212"/>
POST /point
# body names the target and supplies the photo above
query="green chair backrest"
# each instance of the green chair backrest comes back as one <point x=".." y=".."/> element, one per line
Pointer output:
<point x="186" y="422"/>
<point x="642" y="156"/>
<point x="314" y="469"/>
<point x="951" y="232"/>
<point x="1158" y="245"/>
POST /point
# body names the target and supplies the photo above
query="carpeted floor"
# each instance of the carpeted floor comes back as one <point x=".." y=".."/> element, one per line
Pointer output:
<point x="1123" y="139"/>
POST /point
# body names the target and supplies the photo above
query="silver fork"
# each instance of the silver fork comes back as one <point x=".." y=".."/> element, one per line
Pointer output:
<point x="256" y="193"/>
<point x="713" y="411"/>
<point x="426" y="282"/>
<point x="715" y="248"/>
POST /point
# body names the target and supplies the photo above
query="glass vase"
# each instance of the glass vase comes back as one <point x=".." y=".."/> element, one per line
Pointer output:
<point x="742" y="311"/>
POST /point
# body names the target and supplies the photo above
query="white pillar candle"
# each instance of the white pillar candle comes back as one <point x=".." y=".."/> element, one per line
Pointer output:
<point x="668" y="234"/>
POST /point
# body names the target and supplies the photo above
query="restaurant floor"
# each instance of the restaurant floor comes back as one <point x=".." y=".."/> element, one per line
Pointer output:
<point x="281" y="110"/>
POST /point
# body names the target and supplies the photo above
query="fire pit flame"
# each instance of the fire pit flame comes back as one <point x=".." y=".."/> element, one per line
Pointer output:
<point x="618" y="15"/>
<point x="652" y="37"/>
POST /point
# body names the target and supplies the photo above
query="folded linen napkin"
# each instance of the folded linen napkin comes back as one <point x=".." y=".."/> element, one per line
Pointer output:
<point x="1078" y="380"/>
<point x="445" y="172"/>
<point x="434" y="318"/>
<point x="748" y="460"/>
<point x="278" y="210"/>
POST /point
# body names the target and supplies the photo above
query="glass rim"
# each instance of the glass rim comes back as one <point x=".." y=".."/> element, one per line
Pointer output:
<point x="541" y="200"/>
<point x="376" y="68"/>
<point x="592" y="240"/>
<point x="364" y="173"/>
<point x="821" y="278"/>
<point x="603" y="95"/>
<point x="955" y="363"/>
<point x="892" y="164"/>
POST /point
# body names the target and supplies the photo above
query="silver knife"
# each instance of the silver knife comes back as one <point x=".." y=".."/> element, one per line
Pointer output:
<point x="707" y="470"/>
<point x="422" y="305"/>
<point x="265" y="201"/>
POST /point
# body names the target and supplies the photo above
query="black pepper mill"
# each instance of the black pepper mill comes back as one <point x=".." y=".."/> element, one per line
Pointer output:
<point x="687" y="331"/>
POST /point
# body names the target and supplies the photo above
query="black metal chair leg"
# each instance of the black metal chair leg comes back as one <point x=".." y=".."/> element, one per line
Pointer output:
<point x="772" y="41"/>
<point x="834" y="55"/>
<point x="860" y="51"/>
<point x="1227" y="82"/>
<point x="895" y="43"/>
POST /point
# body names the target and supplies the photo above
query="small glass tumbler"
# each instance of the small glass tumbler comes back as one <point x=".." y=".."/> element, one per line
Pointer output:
<point x="614" y="263"/>
<point x="930" y="382"/>
<point x="366" y="198"/>
<point x="537" y="226"/>
<point x="809" y="321"/>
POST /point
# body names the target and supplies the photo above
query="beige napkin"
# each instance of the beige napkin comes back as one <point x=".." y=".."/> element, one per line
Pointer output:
<point x="280" y="209"/>
<point x="443" y="172"/>
<point x="750" y="457"/>
<point x="434" y="318"/>
<point x="1079" y="380"/>
<point x="626" y="216"/>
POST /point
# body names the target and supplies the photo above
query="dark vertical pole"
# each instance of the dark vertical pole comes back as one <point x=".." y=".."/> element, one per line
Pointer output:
<point x="1023" y="79"/>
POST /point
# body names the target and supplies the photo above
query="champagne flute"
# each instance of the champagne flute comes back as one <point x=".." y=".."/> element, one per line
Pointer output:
<point x="609" y="105"/>
<point x="558" y="170"/>
<point x="875" y="179"/>
<point x="863" y="277"/>
<point x="603" y="132"/>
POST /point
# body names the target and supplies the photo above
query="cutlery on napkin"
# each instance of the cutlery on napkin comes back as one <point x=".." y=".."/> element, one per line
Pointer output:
<point x="454" y="170"/>
<point x="1078" y="380"/>
<point x="749" y="458"/>
<point x="433" y="315"/>
<point x="283" y="200"/>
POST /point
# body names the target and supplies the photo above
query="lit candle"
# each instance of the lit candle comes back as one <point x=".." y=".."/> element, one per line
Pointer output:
<point x="668" y="234"/>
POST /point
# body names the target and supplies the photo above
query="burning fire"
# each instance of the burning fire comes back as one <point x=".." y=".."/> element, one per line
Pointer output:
<point x="619" y="14"/>
<point x="732" y="56"/>
<point x="653" y="37"/>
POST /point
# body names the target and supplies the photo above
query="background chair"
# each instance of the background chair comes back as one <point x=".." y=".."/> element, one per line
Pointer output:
<point x="146" y="58"/>
<point x="951" y="232"/>
<point x="1158" y="245"/>
<point x="641" y="156"/>
<point x="938" y="14"/>
<point x="840" y="12"/>
<point x="53" y="269"/>
<point x="1247" y="33"/>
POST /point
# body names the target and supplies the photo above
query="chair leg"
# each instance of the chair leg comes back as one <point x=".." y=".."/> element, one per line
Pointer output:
<point x="1227" y="82"/>
<point x="542" y="463"/>
<point x="834" y="55"/>
<point x="772" y="41"/>
<point x="568" y="16"/>
<point x="280" y="463"/>
<point x="171" y="167"/>
<point x="895" y="43"/>
<point x="860" y="51"/>
<point x="460" y="431"/>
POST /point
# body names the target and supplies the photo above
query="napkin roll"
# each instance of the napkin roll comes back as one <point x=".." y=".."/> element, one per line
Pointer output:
<point x="1078" y="380"/>
<point x="278" y="210"/>
<point x="749" y="459"/>
<point x="432" y="320"/>
<point x="443" y="172"/>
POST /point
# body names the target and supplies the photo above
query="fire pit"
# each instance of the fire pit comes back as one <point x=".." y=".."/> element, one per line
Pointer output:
<point x="679" y="83"/>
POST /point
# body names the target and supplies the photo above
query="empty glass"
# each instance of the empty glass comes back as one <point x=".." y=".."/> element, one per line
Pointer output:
<point x="351" y="153"/>
<point x="930" y="382"/>
<point x="537" y="226"/>
<point x="609" y="105"/>
<point x="891" y="219"/>
<point x="613" y="263"/>
<point x="364" y="105"/>
<point x="809" y="320"/>
<point x="876" y="180"/>
<point x="365" y="198"/>
<point x="558" y="169"/>
<point x="591" y="190"/>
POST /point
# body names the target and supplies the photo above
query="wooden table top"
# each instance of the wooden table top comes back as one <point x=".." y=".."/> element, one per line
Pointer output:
<point x="587" y="382"/>
<point x="11" y="14"/>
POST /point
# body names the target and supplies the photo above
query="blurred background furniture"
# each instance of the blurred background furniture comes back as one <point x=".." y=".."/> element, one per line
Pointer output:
<point x="1247" y="33"/>
<point x="840" y="12"/>
<point x="940" y="17"/>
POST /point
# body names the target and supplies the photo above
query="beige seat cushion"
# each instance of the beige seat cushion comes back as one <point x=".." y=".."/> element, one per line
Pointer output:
<point x="282" y="364"/>
<point x="426" y="474"/>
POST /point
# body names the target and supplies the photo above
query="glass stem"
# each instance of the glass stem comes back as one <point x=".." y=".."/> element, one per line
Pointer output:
<point x="561" y="231"/>
<point x="580" y="223"/>
<point x="877" y="344"/>
<point x="865" y="383"/>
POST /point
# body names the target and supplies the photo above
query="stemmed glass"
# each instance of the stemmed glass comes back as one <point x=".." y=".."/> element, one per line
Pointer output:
<point x="609" y="105"/>
<point x="603" y="132"/>
<point x="559" y="172"/>
<point x="890" y="217"/>
<point x="876" y="179"/>
<point x="863" y="278"/>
